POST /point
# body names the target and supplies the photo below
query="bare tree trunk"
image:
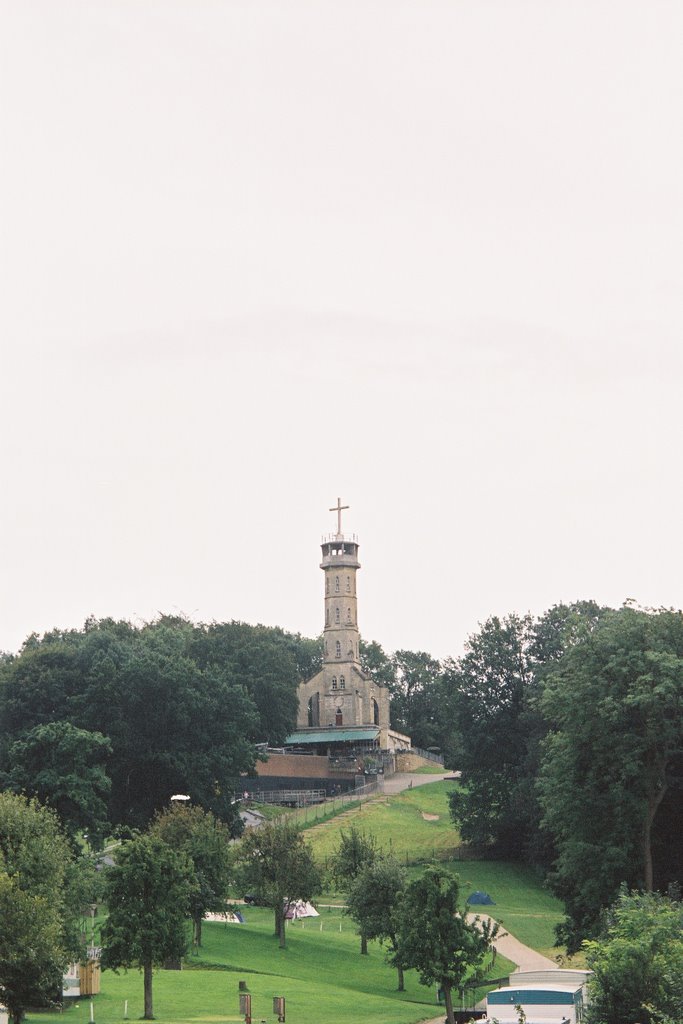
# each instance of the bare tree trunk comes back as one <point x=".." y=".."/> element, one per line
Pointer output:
<point x="401" y="983"/>
<point x="147" y="975"/>
<point x="363" y="944"/>
<point x="654" y="800"/>
<point x="283" y="921"/>
<point x="198" y="930"/>
<point x="446" y="986"/>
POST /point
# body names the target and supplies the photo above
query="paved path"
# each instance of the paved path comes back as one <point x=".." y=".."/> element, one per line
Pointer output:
<point x="526" y="959"/>
<point x="399" y="781"/>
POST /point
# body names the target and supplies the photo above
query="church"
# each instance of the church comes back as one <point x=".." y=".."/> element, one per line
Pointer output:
<point x="342" y="710"/>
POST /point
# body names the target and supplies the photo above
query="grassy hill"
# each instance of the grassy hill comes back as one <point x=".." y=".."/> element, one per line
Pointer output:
<point x="414" y="825"/>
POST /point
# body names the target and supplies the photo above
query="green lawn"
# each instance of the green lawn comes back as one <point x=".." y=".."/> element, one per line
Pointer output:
<point x="321" y="974"/>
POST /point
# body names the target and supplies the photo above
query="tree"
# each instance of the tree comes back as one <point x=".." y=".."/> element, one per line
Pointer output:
<point x="356" y="850"/>
<point x="435" y="936"/>
<point x="148" y="895"/>
<point x="32" y="952"/>
<point x="637" y="962"/>
<point x="65" y="767"/>
<point x="491" y="701"/>
<point x="611" y="761"/>
<point x="485" y="694"/>
<point x="372" y="900"/>
<point x="416" y="697"/>
<point x="35" y="916"/>
<point x="278" y="866"/>
<point x="204" y="840"/>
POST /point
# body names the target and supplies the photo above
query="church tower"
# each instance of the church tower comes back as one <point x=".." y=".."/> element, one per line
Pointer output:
<point x="342" y="694"/>
<point x="341" y="640"/>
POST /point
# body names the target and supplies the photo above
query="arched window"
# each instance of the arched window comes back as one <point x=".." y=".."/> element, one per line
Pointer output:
<point x="348" y="584"/>
<point x="336" y="615"/>
<point x="334" y="682"/>
<point x="327" y="616"/>
<point x="337" y="648"/>
<point x="327" y="584"/>
<point x="342" y="683"/>
<point x="375" y="711"/>
<point x="348" y="615"/>
<point x="336" y="584"/>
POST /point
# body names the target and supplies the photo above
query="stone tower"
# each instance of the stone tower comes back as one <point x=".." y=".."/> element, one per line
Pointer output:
<point x="342" y="694"/>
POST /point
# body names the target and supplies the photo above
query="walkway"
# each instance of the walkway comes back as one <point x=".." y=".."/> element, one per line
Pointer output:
<point x="399" y="781"/>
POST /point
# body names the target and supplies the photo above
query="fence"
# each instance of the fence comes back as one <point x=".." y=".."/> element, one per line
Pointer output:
<point x="429" y="755"/>
<point x="333" y="805"/>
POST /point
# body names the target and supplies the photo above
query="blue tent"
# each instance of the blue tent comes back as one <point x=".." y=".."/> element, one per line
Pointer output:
<point x="481" y="898"/>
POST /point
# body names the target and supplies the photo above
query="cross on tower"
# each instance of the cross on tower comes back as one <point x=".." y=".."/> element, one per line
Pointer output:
<point x="338" y="509"/>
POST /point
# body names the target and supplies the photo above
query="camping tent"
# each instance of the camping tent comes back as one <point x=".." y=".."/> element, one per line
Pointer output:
<point x="300" y="908"/>
<point x="481" y="898"/>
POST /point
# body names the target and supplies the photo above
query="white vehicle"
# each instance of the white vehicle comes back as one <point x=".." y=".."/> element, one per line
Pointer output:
<point x="556" y="998"/>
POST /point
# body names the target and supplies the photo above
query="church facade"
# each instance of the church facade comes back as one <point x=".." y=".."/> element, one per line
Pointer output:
<point x="342" y="704"/>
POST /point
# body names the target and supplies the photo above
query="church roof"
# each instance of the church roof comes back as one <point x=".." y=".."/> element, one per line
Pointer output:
<point x="336" y="734"/>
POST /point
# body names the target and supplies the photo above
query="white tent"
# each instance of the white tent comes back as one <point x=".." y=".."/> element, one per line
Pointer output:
<point x="300" y="908"/>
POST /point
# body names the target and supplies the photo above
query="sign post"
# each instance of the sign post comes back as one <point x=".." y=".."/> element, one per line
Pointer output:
<point x="279" y="1008"/>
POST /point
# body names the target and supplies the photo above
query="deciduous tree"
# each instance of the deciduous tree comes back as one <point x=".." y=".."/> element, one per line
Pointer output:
<point x="637" y="962"/>
<point x="356" y="851"/>
<point x="436" y="937"/>
<point x="278" y="866"/>
<point x="65" y="767"/>
<point x="204" y="840"/>
<point x="372" y="901"/>
<point x="148" y="895"/>
<point x="613" y="756"/>
<point x="34" y="914"/>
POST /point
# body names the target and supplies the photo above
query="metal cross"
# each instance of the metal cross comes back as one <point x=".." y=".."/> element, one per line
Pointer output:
<point x="338" y="509"/>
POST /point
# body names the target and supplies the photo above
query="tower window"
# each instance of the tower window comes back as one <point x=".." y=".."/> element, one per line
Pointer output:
<point x="348" y="614"/>
<point x="327" y="616"/>
<point x="342" y="683"/>
<point x="348" y="584"/>
<point x="336" y="584"/>
<point x="334" y="682"/>
<point x="327" y="584"/>
<point x="336" y="615"/>
<point x="337" y="648"/>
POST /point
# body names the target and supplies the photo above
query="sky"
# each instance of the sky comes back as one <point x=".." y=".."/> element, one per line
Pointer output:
<point x="424" y="256"/>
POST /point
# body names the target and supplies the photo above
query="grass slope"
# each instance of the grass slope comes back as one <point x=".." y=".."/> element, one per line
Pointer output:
<point x="414" y="825"/>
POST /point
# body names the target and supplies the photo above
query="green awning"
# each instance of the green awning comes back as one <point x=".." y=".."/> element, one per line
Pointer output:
<point x="333" y="735"/>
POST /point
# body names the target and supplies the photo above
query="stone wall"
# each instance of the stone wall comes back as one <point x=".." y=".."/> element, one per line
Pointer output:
<point x="309" y="766"/>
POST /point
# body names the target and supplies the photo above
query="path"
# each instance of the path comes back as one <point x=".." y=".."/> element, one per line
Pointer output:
<point x="399" y="781"/>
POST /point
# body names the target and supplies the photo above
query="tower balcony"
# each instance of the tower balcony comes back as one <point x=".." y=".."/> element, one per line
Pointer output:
<point x="340" y="550"/>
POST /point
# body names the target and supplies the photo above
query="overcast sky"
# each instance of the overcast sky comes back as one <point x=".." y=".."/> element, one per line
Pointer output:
<point x="425" y="256"/>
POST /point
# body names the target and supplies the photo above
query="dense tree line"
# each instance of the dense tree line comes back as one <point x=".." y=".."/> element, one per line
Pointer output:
<point x="568" y="731"/>
<point x="107" y="722"/>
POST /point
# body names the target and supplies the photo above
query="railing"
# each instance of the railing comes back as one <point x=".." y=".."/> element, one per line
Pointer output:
<point x="289" y="797"/>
